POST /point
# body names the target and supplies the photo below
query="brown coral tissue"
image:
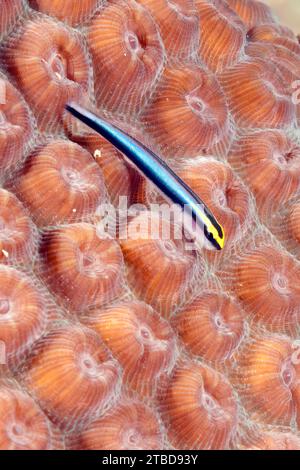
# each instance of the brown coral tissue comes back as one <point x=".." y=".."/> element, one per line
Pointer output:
<point x="117" y="332"/>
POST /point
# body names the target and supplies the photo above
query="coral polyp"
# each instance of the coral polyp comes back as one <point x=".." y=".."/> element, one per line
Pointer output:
<point x="275" y="34"/>
<point x="188" y="113"/>
<point x="69" y="183"/>
<point x="69" y="11"/>
<point x="11" y="10"/>
<point x="56" y="70"/>
<point x="220" y="321"/>
<point x="18" y="235"/>
<point x="119" y="328"/>
<point x="260" y="437"/>
<point x="178" y="25"/>
<point x="143" y="343"/>
<point x="15" y="125"/>
<point x="267" y="378"/>
<point x="267" y="283"/>
<point x="264" y="101"/>
<point x="129" y="426"/>
<point x="23" y="314"/>
<point x="294" y="222"/>
<point x="127" y="55"/>
<point x="199" y="408"/>
<point x="23" y="425"/>
<point x="223" y="34"/>
<point x="80" y="268"/>
<point x="252" y="12"/>
<point x="269" y="162"/>
<point x="160" y="270"/>
<point x="91" y="373"/>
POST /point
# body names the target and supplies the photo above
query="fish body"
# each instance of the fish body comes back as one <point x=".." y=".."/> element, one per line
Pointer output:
<point x="198" y="220"/>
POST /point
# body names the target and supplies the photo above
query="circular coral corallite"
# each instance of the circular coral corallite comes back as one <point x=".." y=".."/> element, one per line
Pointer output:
<point x="142" y="342"/>
<point x="188" y="114"/>
<point x="72" y="376"/>
<point x="199" y="408"/>
<point x="267" y="281"/>
<point x="18" y="235"/>
<point x="284" y="224"/>
<point x="252" y="12"/>
<point x="129" y="426"/>
<point x="23" y="314"/>
<point x="127" y="54"/>
<point x="223" y="34"/>
<point x="267" y="379"/>
<point x="15" y="125"/>
<point x="220" y="321"/>
<point x="286" y="58"/>
<point x="67" y="180"/>
<point x="160" y="268"/>
<point x="258" y="96"/>
<point x="51" y="67"/>
<point x="23" y="425"/>
<point x="178" y="24"/>
<point x="70" y="11"/>
<point x="270" y="164"/>
<point x="80" y="268"/>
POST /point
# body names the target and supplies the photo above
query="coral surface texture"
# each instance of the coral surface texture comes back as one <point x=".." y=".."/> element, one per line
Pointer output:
<point x="121" y="339"/>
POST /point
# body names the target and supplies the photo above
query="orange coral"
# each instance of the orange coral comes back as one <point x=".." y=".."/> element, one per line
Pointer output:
<point x="188" y="114"/>
<point x="199" y="408"/>
<point x="160" y="269"/>
<point x="69" y="183"/>
<point x="269" y="163"/>
<point x="258" y="95"/>
<point x="51" y="66"/>
<point x="23" y="426"/>
<point x="68" y="10"/>
<point x="18" y="235"/>
<point x="72" y="376"/>
<point x="143" y="343"/>
<point x="129" y="426"/>
<point x="23" y="314"/>
<point x="220" y="321"/>
<point x="9" y="15"/>
<point x="223" y="34"/>
<point x="15" y="125"/>
<point x="294" y="221"/>
<point x="178" y="25"/>
<point x="127" y="55"/>
<point x="252" y="12"/>
<point x="267" y="283"/>
<point x="267" y="379"/>
<point x="82" y="269"/>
